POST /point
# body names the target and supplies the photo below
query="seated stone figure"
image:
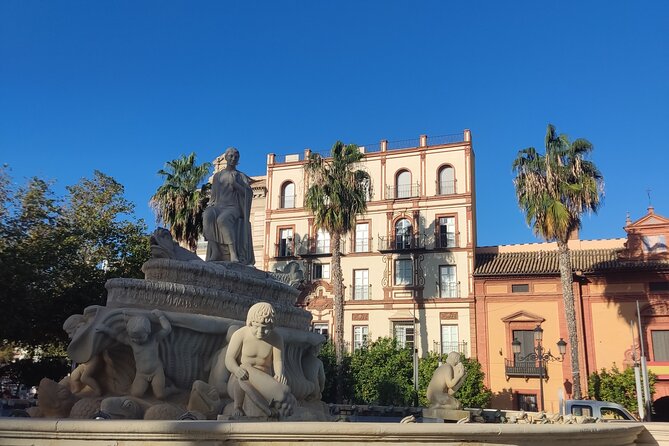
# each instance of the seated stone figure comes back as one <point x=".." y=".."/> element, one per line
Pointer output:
<point x="255" y="360"/>
<point x="226" y="222"/>
<point x="445" y="381"/>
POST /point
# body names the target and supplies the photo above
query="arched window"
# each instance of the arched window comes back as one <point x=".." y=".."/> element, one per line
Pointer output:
<point x="446" y="181"/>
<point x="403" y="184"/>
<point x="403" y="234"/>
<point x="288" y="195"/>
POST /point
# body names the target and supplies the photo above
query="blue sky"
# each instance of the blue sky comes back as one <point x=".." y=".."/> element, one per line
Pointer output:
<point x="124" y="86"/>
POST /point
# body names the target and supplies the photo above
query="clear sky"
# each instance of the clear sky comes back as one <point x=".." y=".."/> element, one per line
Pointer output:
<point x="124" y="86"/>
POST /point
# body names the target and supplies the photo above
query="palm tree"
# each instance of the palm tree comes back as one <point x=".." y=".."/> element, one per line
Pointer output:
<point x="180" y="200"/>
<point x="337" y="193"/>
<point x="554" y="190"/>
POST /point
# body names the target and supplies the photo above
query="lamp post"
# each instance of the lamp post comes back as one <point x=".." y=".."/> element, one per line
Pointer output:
<point x="540" y="355"/>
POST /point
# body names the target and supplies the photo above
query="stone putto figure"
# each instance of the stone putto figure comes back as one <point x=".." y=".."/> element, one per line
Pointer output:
<point x="445" y="381"/>
<point x="226" y="222"/>
<point x="255" y="361"/>
<point x="144" y="344"/>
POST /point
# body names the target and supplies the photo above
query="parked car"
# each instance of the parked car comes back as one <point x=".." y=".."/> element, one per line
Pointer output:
<point x="604" y="410"/>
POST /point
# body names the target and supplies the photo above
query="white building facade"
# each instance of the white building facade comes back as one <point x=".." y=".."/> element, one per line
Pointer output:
<point x="408" y="263"/>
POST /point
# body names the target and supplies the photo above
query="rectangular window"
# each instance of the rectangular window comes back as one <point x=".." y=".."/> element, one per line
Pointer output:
<point x="285" y="242"/>
<point x="322" y="242"/>
<point x="520" y="288"/>
<point x="526" y="338"/>
<point x="362" y="237"/>
<point x="660" y="345"/>
<point x="658" y="286"/>
<point x="448" y="281"/>
<point x="527" y="402"/>
<point x="403" y="272"/>
<point x="321" y="328"/>
<point x="404" y="333"/>
<point x="446" y="232"/>
<point x="449" y="339"/>
<point x="321" y="271"/>
<point x="360" y="284"/>
<point x="360" y="334"/>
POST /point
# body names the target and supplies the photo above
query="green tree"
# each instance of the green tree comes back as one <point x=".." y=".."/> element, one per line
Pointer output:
<point x="327" y="356"/>
<point x="336" y="195"/>
<point x="382" y="374"/>
<point x="617" y="386"/>
<point x="180" y="200"/>
<point x="472" y="392"/>
<point x="57" y="253"/>
<point x="554" y="190"/>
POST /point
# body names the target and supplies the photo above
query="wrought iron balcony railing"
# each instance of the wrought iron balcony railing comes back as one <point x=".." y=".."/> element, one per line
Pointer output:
<point x="523" y="368"/>
<point x="401" y="243"/>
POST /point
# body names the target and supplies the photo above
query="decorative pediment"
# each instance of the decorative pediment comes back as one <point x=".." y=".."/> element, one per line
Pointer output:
<point x="647" y="237"/>
<point x="523" y="316"/>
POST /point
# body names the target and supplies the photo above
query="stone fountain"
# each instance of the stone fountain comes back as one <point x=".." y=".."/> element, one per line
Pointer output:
<point x="215" y="352"/>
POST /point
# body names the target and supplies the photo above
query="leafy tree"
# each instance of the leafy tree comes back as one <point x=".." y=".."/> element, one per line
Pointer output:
<point x="336" y="195"/>
<point x="472" y="392"/>
<point x="57" y="253"/>
<point x="617" y="386"/>
<point x="180" y="200"/>
<point x="327" y="355"/>
<point x="554" y="190"/>
<point x="382" y="374"/>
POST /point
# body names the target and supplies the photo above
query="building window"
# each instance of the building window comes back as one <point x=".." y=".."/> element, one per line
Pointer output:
<point x="658" y="286"/>
<point x="404" y="333"/>
<point x="403" y="234"/>
<point x="520" y="288"/>
<point x="285" y="242"/>
<point x="360" y="284"/>
<point x="403" y="272"/>
<point x="321" y="328"/>
<point x="362" y="237"/>
<point x="321" y="271"/>
<point x="288" y="195"/>
<point x="449" y="339"/>
<point x="360" y="334"/>
<point x="446" y="181"/>
<point x="403" y="184"/>
<point x="526" y="338"/>
<point x="448" y="281"/>
<point x="322" y="242"/>
<point x="446" y="233"/>
<point x="527" y="402"/>
<point x="660" y="345"/>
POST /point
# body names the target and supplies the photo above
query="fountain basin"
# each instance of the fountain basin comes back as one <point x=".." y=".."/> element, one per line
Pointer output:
<point x="62" y="432"/>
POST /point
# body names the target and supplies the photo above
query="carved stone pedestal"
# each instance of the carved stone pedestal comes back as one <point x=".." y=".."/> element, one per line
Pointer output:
<point x="445" y="415"/>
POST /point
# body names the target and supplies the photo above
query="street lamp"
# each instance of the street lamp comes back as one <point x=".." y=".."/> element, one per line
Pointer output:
<point x="540" y="355"/>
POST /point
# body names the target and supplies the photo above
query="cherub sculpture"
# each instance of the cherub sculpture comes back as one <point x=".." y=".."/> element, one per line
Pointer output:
<point x="445" y="381"/>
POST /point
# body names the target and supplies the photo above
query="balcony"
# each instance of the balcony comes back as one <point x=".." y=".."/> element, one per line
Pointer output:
<point x="452" y="346"/>
<point x="401" y="243"/>
<point x="402" y="191"/>
<point x="524" y="369"/>
<point x="361" y="292"/>
<point x="312" y="247"/>
<point x="285" y="248"/>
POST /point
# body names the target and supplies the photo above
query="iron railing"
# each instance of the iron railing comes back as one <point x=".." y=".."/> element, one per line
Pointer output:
<point x="402" y="191"/>
<point x="523" y="368"/>
<point x="401" y="243"/>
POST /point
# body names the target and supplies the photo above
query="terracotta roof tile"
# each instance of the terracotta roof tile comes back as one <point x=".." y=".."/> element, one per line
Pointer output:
<point x="546" y="262"/>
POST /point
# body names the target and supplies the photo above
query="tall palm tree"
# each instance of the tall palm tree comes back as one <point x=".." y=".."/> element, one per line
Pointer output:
<point x="554" y="190"/>
<point x="180" y="200"/>
<point x="337" y="193"/>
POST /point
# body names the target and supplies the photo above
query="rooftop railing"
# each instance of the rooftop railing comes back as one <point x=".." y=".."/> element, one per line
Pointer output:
<point x="422" y="141"/>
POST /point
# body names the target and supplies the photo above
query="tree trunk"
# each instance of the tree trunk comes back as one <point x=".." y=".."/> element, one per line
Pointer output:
<point x="566" y="279"/>
<point x="338" y="308"/>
